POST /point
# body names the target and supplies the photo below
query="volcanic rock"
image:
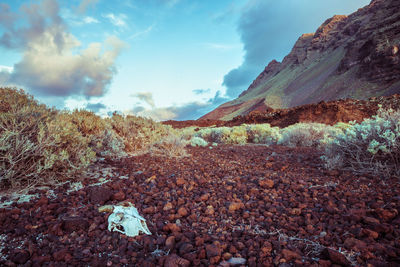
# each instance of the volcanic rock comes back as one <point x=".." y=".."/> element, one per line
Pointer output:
<point x="74" y="223"/>
<point x="174" y="260"/>
<point x="100" y="195"/>
<point x="336" y="257"/>
<point x="20" y="256"/>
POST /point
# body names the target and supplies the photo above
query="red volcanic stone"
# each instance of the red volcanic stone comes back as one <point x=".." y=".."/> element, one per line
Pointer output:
<point x="42" y="201"/>
<point x="168" y="206"/>
<point x="75" y="223"/>
<point x="150" y="210"/>
<point x="234" y="206"/>
<point x="119" y="196"/>
<point x="336" y="257"/>
<point x="182" y="211"/>
<point x="174" y="260"/>
<point x="266" y="183"/>
<point x="39" y="260"/>
<point x="204" y="197"/>
<point x="99" y="195"/>
<point x="185" y="248"/>
<point x="20" y="256"/>
<point x="290" y="255"/>
<point x="386" y="215"/>
<point x="172" y="227"/>
<point x="180" y="181"/>
<point x="213" y="251"/>
<point x="61" y="255"/>
<point x="170" y="242"/>
<point x="354" y="244"/>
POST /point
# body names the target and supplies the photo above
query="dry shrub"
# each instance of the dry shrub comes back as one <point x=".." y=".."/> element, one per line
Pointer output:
<point x="373" y="146"/>
<point x="307" y="134"/>
<point x="262" y="134"/>
<point x="37" y="144"/>
<point x="171" y="145"/>
<point x="137" y="133"/>
<point x="224" y="135"/>
<point x="102" y="139"/>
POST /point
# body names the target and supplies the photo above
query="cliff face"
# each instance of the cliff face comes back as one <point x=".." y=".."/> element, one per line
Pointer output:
<point x="355" y="56"/>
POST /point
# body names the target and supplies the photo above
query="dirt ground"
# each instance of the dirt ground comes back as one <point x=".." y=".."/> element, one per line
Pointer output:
<point x="246" y="205"/>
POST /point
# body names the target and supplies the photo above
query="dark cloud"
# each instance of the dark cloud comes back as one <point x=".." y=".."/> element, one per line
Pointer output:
<point x="85" y="4"/>
<point x="268" y="30"/>
<point x="95" y="107"/>
<point x="201" y="91"/>
<point x="138" y="109"/>
<point x="52" y="64"/>
<point x="188" y="111"/>
<point x="147" y="97"/>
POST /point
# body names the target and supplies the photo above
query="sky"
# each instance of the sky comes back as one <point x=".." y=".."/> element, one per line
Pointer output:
<point x="164" y="59"/>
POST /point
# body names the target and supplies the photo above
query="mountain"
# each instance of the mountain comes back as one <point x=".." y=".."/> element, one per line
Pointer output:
<point x="355" y="56"/>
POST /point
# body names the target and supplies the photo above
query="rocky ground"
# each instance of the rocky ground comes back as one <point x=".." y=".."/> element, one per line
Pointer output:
<point x="229" y="205"/>
<point x="332" y="112"/>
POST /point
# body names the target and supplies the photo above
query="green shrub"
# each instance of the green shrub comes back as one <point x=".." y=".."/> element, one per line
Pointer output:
<point x="373" y="146"/>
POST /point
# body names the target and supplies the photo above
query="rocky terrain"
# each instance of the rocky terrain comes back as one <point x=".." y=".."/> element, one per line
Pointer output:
<point x="355" y="56"/>
<point x="330" y="113"/>
<point x="230" y="205"/>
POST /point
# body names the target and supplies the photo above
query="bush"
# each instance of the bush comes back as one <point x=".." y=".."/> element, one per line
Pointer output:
<point x="307" y="134"/>
<point x="37" y="144"/>
<point x="262" y="134"/>
<point x="198" y="141"/>
<point x="372" y="146"/>
<point x="102" y="139"/>
<point x="138" y="133"/>
<point x="171" y="145"/>
<point x="224" y="135"/>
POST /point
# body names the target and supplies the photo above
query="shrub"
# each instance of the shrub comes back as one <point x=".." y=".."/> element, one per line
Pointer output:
<point x="262" y="134"/>
<point x="37" y="143"/>
<point x="307" y="134"/>
<point x="137" y="133"/>
<point x="171" y="145"/>
<point x="373" y="146"/>
<point x="66" y="152"/>
<point x="198" y="141"/>
<point x="102" y="139"/>
<point x="224" y="135"/>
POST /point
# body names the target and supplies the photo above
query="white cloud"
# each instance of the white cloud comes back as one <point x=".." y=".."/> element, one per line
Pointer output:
<point x="117" y="20"/>
<point x="90" y="20"/>
<point x="147" y="97"/>
<point x="222" y="47"/>
<point x="142" y="33"/>
<point x="53" y="61"/>
<point x="6" y="69"/>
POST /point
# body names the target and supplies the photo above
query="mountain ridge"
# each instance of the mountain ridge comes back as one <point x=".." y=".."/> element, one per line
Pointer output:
<point x="355" y="56"/>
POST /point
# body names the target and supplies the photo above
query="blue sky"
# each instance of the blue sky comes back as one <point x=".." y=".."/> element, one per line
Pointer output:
<point x="168" y="59"/>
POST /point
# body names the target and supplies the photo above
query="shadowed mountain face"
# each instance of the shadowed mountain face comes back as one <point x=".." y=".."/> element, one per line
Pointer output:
<point x="355" y="56"/>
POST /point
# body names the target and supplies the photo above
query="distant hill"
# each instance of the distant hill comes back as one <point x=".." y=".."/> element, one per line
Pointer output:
<point x="355" y="56"/>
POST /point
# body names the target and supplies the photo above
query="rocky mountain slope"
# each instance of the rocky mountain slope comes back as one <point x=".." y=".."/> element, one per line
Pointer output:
<point x="331" y="112"/>
<point x="355" y="56"/>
